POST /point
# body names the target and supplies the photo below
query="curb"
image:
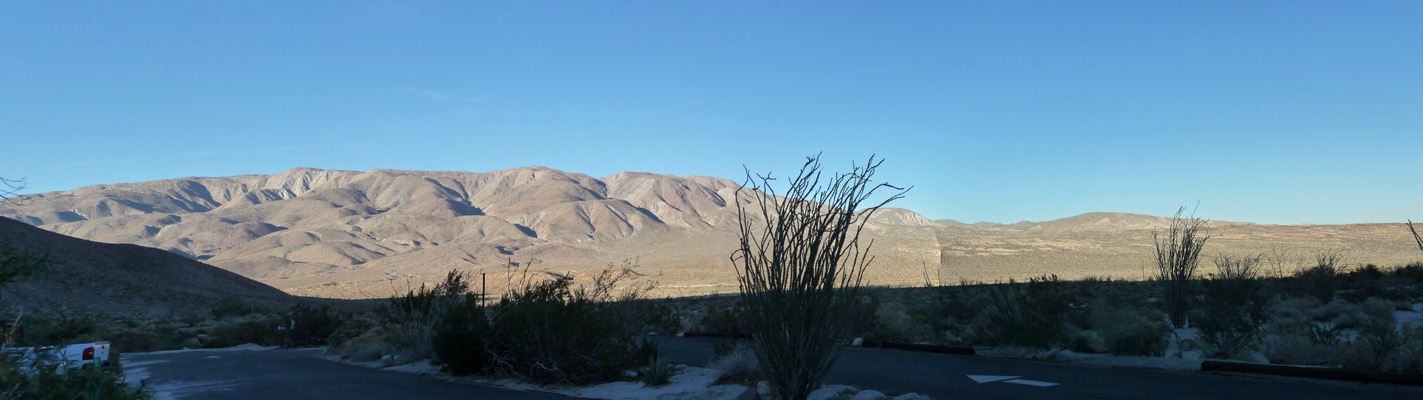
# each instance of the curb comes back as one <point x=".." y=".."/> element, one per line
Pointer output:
<point x="920" y="348"/>
<point x="1312" y="372"/>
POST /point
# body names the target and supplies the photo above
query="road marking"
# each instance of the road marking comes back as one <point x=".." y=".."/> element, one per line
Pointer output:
<point x="1009" y="379"/>
<point x="990" y="378"/>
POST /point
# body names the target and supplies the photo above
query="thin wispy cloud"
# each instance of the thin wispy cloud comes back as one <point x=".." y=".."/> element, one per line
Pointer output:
<point x="246" y="151"/>
<point x="436" y="96"/>
<point x="92" y="163"/>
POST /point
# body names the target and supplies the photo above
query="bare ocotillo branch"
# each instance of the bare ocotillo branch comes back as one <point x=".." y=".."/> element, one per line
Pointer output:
<point x="1415" y="234"/>
<point x="1177" y="256"/>
<point x="800" y="265"/>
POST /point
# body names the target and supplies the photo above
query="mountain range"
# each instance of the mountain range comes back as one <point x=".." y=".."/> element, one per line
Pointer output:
<point x="352" y="234"/>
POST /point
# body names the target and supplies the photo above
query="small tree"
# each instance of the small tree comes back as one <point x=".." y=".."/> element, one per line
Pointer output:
<point x="1178" y="254"/>
<point x="800" y="266"/>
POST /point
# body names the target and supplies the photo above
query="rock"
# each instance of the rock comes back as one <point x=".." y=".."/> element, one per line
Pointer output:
<point x="911" y="396"/>
<point x="191" y="343"/>
<point x="869" y="395"/>
<point x="763" y="389"/>
<point x="858" y="342"/>
<point x="746" y="394"/>
<point x="827" y="392"/>
<point x="1046" y="355"/>
<point x="1065" y="355"/>
<point x="629" y="373"/>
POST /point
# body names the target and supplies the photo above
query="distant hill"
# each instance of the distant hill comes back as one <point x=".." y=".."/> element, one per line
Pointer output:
<point x="1095" y="221"/>
<point x="353" y="234"/>
<point x="86" y="275"/>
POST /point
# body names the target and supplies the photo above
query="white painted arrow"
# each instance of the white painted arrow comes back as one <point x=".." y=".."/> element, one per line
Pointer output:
<point x="1009" y="379"/>
<point x="990" y="378"/>
<point x="1032" y="383"/>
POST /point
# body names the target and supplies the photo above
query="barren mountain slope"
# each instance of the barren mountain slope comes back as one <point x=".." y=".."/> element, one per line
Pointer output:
<point x="86" y="275"/>
<point x="341" y="233"/>
<point x="361" y="234"/>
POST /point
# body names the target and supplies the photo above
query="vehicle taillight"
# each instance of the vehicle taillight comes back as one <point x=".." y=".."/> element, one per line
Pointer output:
<point x="89" y="353"/>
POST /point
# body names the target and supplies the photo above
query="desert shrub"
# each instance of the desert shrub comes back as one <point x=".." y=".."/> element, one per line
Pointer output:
<point x="84" y="383"/>
<point x="261" y="331"/>
<point x="1177" y="257"/>
<point x="726" y="321"/>
<point x="458" y="340"/>
<point x="737" y="362"/>
<point x="1407" y="358"/>
<point x="550" y="332"/>
<point x="1024" y="314"/>
<point x="142" y="340"/>
<point x="657" y="372"/>
<point x="232" y="306"/>
<point x="1129" y="330"/>
<point x="1292" y="336"/>
<point x="1412" y="272"/>
<point x="1323" y="279"/>
<point x="410" y="319"/>
<point x="659" y="319"/>
<point x="1087" y="342"/>
<point x="349" y="329"/>
<point x="42" y="330"/>
<point x="1376" y="338"/>
<point x="893" y="322"/>
<point x="370" y="345"/>
<point x="1234" y="306"/>
<point x="312" y="325"/>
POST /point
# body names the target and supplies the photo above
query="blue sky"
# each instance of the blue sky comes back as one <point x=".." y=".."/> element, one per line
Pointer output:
<point x="1272" y="112"/>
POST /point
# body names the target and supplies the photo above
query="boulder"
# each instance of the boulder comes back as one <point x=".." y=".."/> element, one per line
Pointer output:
<point x="827" y="392"/>
<point x="870" y="395"/>
<point x="911" y="396"/>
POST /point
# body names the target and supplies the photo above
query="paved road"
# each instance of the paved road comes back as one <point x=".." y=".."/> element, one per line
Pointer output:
<point x="302" y="374"/>
<point x="946" y="377"/>
<point x="293" y="374"/>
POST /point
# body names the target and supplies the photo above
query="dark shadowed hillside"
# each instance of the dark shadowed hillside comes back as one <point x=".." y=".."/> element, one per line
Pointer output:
<point x="86" y="275"/>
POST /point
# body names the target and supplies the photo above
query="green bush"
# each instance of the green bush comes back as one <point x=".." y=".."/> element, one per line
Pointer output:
<point x="232" y="306"/>
<point x="309" y="326"/>
<point x="657" y="372"/>
<point x="41" y="330"/>
<point x="726" y="321"/>
<point x="737" y="362"/>
<point x="82" y="383"/>
<point x="1128" y="330"/>
<point x="410" y="319"/>
<point x="1292" y="336"/>
<point x="1233" y="307"/>
<point x="1377" y="336"/>
<point x="458" y="341"/>
<point x="350" y="328"/>
<point x="1322" y="280"/>
<point x="260" y="331"/>
<point x="549" y="332"/>
<point x="1024" y="314"/>
<point x="893" y="322"/>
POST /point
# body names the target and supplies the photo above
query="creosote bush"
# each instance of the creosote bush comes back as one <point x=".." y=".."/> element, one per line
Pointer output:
<point x="552" y="332"/>
<point x="1234" y="305"/>
<point x="1028" y="313"/>
<point x="1128" y="330"/>
<point x="546" y="331"/>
